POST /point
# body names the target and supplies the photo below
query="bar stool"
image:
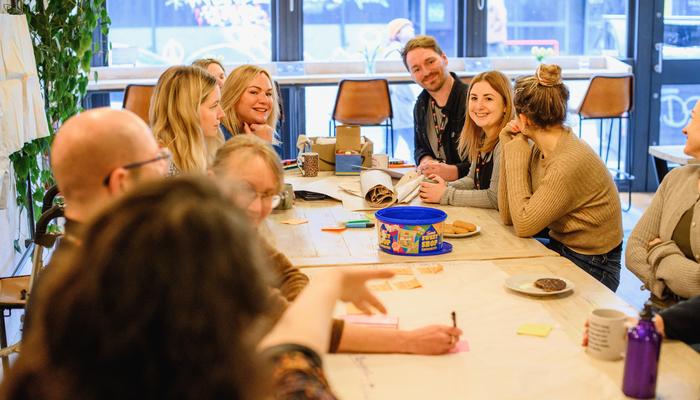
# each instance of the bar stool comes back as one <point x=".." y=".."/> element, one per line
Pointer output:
<point x="15" y="291"/>
<point x="367" y="103"/>
<point x="611" y="98"/>
<point x="137" y="98"/>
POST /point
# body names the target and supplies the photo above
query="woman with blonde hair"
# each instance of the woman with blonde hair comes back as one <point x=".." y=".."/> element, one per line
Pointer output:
<point x="250" y="102"/>
<point x="559" y="183"/>
<point x="214" y="67"/>
<point x="490" y="107"/>
<point x="185" y="117"/>
<point x="249" y="160"/>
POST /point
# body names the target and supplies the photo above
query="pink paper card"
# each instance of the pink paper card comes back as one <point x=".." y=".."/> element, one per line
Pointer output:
<point x="461" y="347"/>
<point x="378" y="320"/>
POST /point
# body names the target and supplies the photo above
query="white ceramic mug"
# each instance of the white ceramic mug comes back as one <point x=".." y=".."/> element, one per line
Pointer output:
<point x="607" y="333"/>
<point x="380" y="161"/>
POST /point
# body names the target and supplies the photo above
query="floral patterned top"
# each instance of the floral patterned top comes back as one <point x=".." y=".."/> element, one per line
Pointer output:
<point x="297" y="373"/>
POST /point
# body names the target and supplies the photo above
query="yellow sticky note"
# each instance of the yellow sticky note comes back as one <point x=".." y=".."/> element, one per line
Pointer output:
<point x="431" y="269"/>
<point x="294" y="221"/>
<point x="541" y="330"/>
<point x="381" y="287"/>
<point x="402" y="271"/>
<point x="409" y="284"/>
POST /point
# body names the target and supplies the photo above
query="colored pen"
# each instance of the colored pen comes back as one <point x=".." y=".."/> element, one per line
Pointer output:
<point x="353" y="221"/>
<point x="359" y="224"/>
<point x="454" y="319"/>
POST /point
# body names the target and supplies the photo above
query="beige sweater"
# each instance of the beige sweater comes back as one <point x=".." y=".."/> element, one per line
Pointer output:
<point x="570" y="192"/>
<point x="664" y="265"/>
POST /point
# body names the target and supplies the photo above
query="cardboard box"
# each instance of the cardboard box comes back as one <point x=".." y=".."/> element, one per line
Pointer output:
<point x="325" y="147"/>
<point x="347" y="164"/>
<point x="348" y="138"/>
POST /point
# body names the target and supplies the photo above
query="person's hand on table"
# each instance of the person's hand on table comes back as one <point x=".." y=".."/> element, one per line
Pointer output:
<point x="432" y="192"/>
<point x="446" y="171"/>
<point x="431" y="339"/>
<point x="263" y="131"/>
<point x="353" y="288"/>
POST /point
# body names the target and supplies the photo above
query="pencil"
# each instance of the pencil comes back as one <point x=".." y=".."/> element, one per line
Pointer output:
<point x="454" y="319"/>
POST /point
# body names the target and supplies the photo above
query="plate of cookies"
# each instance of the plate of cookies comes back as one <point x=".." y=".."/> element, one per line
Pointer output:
<point x="460" y="229"/>
<point x="539" y="284"/>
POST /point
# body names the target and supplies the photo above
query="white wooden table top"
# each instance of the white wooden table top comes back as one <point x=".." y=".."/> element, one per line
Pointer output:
<point x="308" y="246"/>
<point x="673" y="154"/>
<point x="500" y="363"/>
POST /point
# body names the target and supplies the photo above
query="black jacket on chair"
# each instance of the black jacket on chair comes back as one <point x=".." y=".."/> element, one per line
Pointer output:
<point x="455" y="109"/>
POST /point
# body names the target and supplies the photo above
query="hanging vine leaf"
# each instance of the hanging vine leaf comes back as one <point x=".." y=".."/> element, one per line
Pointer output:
<point x="61" y="31"/>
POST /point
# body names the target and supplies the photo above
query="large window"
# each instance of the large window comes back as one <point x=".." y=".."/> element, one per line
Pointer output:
<point x="681" y="29"/>
<point x="568" y="27"/>
<point x="167" y="32"/>
<point x="347" y="29"/>
<point x="677" y="101"/>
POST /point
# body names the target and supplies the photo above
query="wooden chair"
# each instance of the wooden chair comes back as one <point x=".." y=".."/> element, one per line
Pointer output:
<point x="137" y="98"/>
<point x="366" y="103"/>
<point x="15" y="291"/>
<point x="611" y="98"/>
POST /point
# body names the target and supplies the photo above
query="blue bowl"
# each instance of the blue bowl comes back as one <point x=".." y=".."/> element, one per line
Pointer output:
<point x="411" y="230"/>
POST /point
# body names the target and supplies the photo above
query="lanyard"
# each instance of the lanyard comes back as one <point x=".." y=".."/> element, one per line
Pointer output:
<point x="480" y="164"/>
<point x="439" y="127"/>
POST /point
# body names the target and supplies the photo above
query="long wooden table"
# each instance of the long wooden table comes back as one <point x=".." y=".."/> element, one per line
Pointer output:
<point x="500" y="363"/>
<point x="308" y="246"/>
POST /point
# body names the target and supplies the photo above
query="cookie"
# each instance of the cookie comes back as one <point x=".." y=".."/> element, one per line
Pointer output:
<point x="464" y="225"/>
<point x="550" y="284"/>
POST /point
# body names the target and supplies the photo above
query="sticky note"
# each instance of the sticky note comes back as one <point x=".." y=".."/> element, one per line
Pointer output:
<point x="294" y="221"/>
<point x="402" y="271"/>
<point x="541" y="330"/>
<point x="381" y="287"/>
<point x="461" y="347"/>
<point x="431" y="269"/>
<point x="333" y="228"/>
<point x="407" y="285"/>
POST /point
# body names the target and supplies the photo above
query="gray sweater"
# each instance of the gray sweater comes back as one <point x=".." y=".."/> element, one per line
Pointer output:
<point x="664" y="265"/>
<point x="462" y="193"/>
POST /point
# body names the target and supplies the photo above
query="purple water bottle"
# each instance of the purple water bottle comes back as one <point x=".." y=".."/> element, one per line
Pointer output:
<point x="642" y="359"/>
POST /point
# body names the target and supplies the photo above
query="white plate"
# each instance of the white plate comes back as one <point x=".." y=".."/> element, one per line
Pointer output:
<point x="461" y="235"/>
<point x="525" y="283"/>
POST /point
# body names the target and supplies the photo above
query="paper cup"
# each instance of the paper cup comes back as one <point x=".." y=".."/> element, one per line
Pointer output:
<point x="607" y="330"/>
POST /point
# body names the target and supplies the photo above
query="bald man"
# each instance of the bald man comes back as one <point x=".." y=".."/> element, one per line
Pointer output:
<point x="95" y="157"/>
<point x="98" y="155"/>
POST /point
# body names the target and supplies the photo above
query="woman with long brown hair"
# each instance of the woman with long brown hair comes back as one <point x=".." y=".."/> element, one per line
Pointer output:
<point x="490" y="107"/>
<point x="559" y="183"/>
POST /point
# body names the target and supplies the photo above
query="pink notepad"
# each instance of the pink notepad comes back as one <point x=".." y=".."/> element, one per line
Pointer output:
<point x="461" y="347"/>
<point x="378" y="320"/>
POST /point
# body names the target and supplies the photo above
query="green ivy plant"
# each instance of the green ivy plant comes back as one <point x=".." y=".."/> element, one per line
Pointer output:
<point x="62" y="33"/>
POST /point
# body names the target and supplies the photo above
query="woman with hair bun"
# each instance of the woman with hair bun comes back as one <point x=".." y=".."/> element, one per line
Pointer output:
<point x="559" y="184"/>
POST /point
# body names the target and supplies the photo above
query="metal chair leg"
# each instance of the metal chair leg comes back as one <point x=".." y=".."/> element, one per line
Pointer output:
<point x="3" y="344"/>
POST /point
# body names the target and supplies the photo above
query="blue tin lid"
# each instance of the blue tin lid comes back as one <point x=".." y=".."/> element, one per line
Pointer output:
<point x="411" y="215"/>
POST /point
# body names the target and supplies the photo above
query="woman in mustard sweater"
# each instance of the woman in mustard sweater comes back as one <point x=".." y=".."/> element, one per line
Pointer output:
<point x="558" y="183"/>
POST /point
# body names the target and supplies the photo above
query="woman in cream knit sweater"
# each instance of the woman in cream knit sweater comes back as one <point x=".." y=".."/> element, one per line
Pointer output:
<point x="558" y="183"/>
<point x="663" y="248"/>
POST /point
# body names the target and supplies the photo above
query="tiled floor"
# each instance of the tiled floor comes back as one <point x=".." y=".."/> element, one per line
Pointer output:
<point x="629" y="284"/>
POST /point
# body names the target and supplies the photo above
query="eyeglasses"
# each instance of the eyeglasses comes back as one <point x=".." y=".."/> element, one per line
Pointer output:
<point x="163" y="154"/>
